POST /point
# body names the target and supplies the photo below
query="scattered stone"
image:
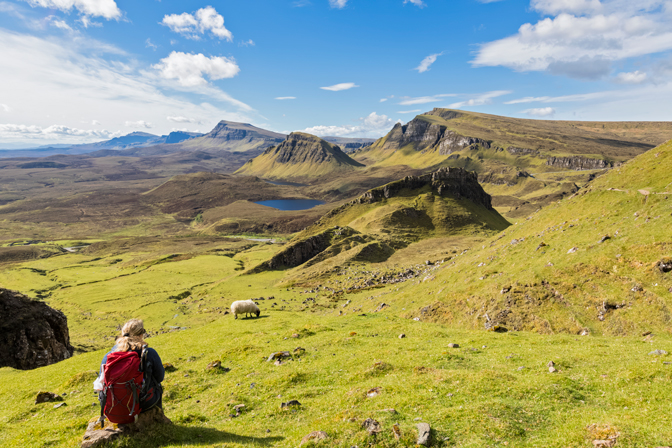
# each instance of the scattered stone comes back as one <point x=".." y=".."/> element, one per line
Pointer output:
<point x="96" y="436"/>
<point x="214" y="365"/>
<point x="58" y="405"/>
<point x="45" y="397"/>
<point x="289" y="404"/>
<point x="295" y="335"/>
<point x="278" y="363"/>
<point x="550" y="364"/>
<point x="646" y="333"/>
<point x="390" y="410"/>
<point x="315" y="436"/>
<point x="372" y="426"/>
<point x="381" y="307"/>
<point x="402" y="336"/>
<point x="453" y="345"/>
<point x="505" y="290"/>
<point x="637" y="288"/>
<point x="552" y="370"/>
<point x="542" y="244"/>
<point x="572" y="250"/>
<point x="396" y="431"/>
<point x="373" y="392"/>
<point x="278" y="355"/>
<point x="168" y="367"/>
<point x="299" y="350"/>
<point x="521" y="368"/>
<point x="238" y="408"/>
<point x="658" y="352"/>
<point x="424" y="431"/>
<point x="665" y="265"/>
<point x="603" y="239"/>
<point x="498" y="329"/>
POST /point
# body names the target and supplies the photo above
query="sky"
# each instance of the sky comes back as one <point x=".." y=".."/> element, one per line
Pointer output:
<point x="78" y="71"/>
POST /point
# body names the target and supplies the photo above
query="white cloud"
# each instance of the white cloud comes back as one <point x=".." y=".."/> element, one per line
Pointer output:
<point x="427" y="62"/>
<point x="8" y="130"/>
<point x="5" y="107"/>
<point x="414" y="111"/>
<point x="285" y="98"/>
<point x="338" y="3"/>
<point x="141" y="124"/>
<point x="247" y="43"/>
<point x="418" y="3"/>
<point x="87" y="22"/>
<point x="635" y="77"/>
<point x="528" y="99"/>
<point x="56" y="22"/>
<point x="47" y="73"/>
<point x="373" y="125"/>
<point x="339" y="87"/>
<point x="149" y="44"/>
<point x="189" y="69"/>
<point x="408" y="101"/>
<point x="554" y="7"/>
<point x="480" y="100"/>
<point x="182" y="120"/>
<point x="540" y="112"/>
<point x="95" y="8"/>
<point x="382" y="100"/>
<point x="205" y="19"/>
<point x="95" y="123"/>
<point x="583" y="38"/>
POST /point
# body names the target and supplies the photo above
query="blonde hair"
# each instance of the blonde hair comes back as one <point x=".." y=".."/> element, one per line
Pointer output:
<point x="131" y="336"/>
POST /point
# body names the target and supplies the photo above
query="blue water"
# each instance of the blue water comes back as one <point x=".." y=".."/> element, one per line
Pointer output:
<point x="277" y="182"/>
<point x="291" y="204"/>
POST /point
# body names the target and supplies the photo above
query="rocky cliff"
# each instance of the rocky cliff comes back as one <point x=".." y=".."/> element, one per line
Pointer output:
<point x="579" y="163"/>
<point x="31" y="333"/>
<point x="424" y="135"/>
<point x="445" y="181"/>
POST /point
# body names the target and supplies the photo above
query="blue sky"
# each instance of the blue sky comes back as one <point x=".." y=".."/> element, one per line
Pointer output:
<point x="76" y="71"/>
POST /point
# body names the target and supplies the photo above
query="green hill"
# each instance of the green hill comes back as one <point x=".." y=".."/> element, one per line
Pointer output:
<point x="523" y="164"/>
<point x="235" y="137"/>
<point x="300" y="156"/>
<point x="596" y="263"/>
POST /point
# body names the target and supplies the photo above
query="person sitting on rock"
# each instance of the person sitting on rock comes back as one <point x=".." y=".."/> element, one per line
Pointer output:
<point x="132" y="339"/>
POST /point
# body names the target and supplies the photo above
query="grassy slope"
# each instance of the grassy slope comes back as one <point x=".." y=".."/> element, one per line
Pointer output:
<point x="553" y="290"/>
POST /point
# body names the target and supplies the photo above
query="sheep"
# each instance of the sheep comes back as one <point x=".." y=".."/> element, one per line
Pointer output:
<point x="244" y="307"/>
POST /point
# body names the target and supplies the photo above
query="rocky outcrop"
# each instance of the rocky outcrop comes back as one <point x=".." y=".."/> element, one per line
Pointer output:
<point x="425" y="135"/>
<point x="301" y="251"/>
<point x="228" y="131"/>
<point x="513" y="150"/>
<point x="95" y="436"/>
<point x="32" y="334"/>
<point x="579" y="163"/>
<point x="444" y="182"/>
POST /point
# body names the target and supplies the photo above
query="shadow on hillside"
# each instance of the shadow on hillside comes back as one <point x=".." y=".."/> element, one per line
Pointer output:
<point x="193" y="436"/>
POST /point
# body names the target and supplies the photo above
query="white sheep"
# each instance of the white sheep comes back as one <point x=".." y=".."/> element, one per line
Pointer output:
<point x="244" y="307"/>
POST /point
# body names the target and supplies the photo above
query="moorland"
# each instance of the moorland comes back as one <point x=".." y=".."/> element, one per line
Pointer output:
<point x="450" y="262"/>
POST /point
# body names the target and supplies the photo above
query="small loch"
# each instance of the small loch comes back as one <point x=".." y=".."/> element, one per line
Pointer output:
<point x="291" y="204"/>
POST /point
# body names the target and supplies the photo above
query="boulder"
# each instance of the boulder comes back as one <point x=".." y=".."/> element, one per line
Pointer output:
<point x="32" y="334"/>
<point x="96" y="436"/>
<point x="424" y="431"/>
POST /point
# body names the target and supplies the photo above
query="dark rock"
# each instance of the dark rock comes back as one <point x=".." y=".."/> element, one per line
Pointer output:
<point x="604" y="238"/>
<point x="169" y="367"/>
<point x="289" y="404"/>
<point x="31" y="333"/>
<point x="214" y="365"/>
<point x="402" y="336"/>
<point x="665" y="265"/>
<point x="542" y="244"/>
<point x="453" y="345"/>
<point x="381" y="307"/>
<point x="372" y="426"/>
<point x="424" y="432"/>
<point x="46" y="397"/>
<point x="314" y="436"/>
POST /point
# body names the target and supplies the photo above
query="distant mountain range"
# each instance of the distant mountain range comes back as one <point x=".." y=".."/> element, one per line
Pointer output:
<point x="226" y="136"/>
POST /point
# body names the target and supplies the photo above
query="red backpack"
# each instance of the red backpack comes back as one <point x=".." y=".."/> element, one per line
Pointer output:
<point x="120" y="401"/>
